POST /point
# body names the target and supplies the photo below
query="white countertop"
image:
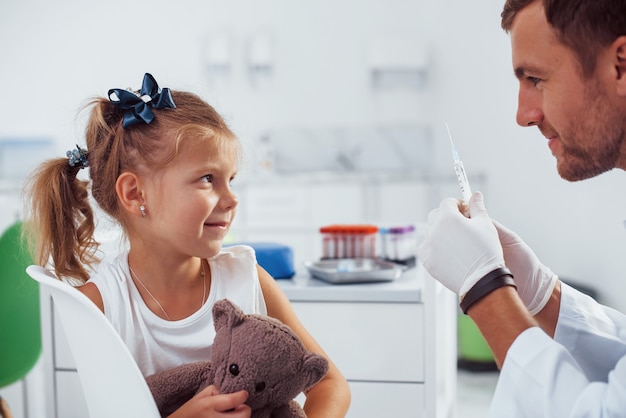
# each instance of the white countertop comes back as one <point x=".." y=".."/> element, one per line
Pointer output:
<point x="407" y="288"/>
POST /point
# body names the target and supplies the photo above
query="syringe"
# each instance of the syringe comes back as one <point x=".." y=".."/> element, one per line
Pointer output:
<point x="460" y="171"/>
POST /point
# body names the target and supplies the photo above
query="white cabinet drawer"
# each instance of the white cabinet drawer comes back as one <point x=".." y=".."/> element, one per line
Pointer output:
<point x="378" y="400"/>
<point x="369" y="341"/>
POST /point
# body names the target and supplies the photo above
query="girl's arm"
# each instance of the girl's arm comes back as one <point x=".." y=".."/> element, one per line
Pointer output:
<point x="91" y="291"/>
<point x="329" y="398"/>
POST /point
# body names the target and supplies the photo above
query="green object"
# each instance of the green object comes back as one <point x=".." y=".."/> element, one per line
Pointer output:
<point x="20" y="323"/>
<point x="472" y="345"/>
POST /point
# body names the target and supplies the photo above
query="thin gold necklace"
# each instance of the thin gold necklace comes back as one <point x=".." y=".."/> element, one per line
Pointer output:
<point x="202" y="273"/>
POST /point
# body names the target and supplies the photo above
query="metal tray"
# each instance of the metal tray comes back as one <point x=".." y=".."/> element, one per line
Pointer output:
<point x="354" y="270"/>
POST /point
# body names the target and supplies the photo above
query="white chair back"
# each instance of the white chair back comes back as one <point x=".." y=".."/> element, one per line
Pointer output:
<point x="111" y="380"/>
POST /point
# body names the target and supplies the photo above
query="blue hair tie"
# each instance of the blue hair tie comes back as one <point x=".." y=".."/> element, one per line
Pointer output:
<point x="78" y="156"/>
<point x="138" y="104"/>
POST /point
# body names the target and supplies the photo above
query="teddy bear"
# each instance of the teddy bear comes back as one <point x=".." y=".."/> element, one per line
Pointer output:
<point x="253" y="352"/>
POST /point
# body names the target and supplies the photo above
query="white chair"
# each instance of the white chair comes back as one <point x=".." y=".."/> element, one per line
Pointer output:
<point x="111" y="380"/>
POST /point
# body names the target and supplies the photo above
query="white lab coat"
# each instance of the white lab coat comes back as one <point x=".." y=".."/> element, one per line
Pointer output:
<point x="581" y="373"/>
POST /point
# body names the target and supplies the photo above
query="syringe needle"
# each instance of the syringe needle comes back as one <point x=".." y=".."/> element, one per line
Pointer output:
<point x="460" y="171"/>
<point x="455" y="155"/>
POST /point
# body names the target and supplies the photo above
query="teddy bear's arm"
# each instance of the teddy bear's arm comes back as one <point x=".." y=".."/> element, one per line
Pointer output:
<point x="173" y="387"/>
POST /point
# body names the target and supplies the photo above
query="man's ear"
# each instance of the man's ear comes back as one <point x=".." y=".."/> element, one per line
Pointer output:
<point x="619" y="46"/>
<point x="129" y="193"/>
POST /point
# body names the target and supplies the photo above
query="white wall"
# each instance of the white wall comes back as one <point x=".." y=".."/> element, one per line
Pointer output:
<point x="55" y="55"/>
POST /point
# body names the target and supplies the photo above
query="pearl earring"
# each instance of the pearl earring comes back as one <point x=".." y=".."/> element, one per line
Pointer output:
<point x="142" y="209"/>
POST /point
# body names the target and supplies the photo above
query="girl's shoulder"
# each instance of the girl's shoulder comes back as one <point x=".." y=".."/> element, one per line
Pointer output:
<point x="111" y="268"/>
<point x="235" y="251"/>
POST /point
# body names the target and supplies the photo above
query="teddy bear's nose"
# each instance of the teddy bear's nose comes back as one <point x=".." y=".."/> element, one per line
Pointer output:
<point x="233" y="369"/>
<point x="259" y="386"/>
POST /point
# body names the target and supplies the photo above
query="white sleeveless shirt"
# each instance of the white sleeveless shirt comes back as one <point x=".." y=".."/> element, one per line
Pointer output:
<point x="158" y="344"/>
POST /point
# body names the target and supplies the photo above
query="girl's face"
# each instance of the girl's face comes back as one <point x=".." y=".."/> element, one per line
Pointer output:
<point x="191" y="205"/>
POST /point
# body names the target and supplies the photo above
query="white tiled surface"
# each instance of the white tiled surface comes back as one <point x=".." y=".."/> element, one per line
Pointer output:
<point x="474" y="393"/>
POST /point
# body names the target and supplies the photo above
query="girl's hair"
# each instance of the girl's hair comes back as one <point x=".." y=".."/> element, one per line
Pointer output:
<point x="60" y="220"/>
<point x="585" y="26"/>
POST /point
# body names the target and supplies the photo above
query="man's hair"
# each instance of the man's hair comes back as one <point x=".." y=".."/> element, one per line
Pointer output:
<point x="584" y="26"/>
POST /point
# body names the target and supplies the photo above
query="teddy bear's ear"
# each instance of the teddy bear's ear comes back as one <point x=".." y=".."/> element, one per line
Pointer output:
<point x="226" y="314"/>
<point x="314" y="368"/>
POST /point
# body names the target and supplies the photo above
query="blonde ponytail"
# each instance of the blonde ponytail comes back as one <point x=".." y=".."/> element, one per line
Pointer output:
<point x="59" y="222"/>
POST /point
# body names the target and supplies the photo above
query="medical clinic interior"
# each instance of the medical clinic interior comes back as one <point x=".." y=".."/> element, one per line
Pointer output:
<point x="345" y="111"/>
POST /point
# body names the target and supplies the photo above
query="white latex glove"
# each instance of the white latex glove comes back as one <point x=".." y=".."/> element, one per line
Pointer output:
<point x="459" y="251"/>
<point x="534" y="281"/>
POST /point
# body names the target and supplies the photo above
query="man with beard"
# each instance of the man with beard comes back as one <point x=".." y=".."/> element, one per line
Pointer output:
<point x="561" y="353"/>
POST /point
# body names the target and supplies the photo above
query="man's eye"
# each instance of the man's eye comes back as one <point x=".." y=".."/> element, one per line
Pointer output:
<point x="534" y="80"/>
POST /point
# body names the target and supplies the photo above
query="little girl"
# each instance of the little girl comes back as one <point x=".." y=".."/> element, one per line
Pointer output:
<point x="161" y="164"/>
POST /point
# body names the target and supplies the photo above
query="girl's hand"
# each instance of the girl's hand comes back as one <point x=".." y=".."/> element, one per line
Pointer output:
<point x="209" y="403"/>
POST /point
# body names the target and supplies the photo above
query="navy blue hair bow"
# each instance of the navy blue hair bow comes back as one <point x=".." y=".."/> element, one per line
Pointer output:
<point x="137" y="104"/>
